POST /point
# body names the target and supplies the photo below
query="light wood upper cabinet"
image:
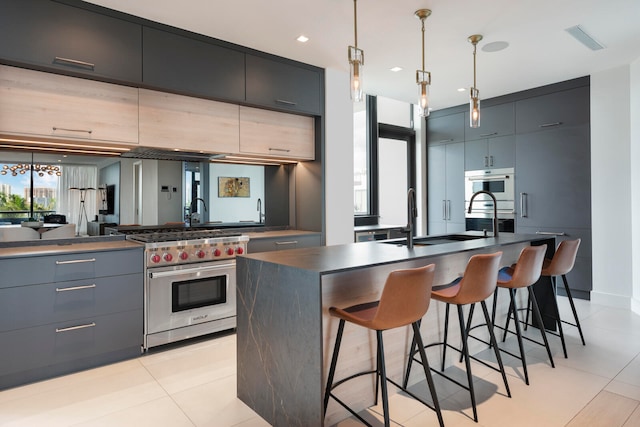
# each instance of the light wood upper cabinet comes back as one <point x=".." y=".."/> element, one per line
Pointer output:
<point x="194" y="124"/>
<point x="33" y="103"/>
<point x="270" y="133"/>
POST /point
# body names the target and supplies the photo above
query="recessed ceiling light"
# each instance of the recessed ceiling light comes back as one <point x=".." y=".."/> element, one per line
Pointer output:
<point x="302" y="38"/>
<point x="396" y="69"/>
<point x="495" y="46"/>
<point x="462" y="89"/>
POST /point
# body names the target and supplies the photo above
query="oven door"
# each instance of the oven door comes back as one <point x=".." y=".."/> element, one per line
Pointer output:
<point x="186" y="295"/>
<point x="500" y="182"/>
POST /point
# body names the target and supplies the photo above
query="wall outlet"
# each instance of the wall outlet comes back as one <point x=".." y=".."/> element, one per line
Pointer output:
<point x="164" y="189"/>
<point x="175" y="190"/>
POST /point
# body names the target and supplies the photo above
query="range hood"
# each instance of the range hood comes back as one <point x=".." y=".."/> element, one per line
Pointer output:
<point x="159" y="154"/>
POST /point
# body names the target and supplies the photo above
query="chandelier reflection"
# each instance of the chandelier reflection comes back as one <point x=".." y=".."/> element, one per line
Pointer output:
<point x="23" y="168"/>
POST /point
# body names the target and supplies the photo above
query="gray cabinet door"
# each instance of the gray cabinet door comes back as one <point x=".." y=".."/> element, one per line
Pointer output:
<point x="553" y="179"/>
<point x="72" y="40"/>
<point x="445" y="207"/>
<point x="285" y="242"/>
<point x="565" y="108"/>
<point x="498" y="152"/>
<point x="192" y="67"/>
<point x="284" y="86"/>
<point x="445" y="129"/>
<point x="497" y="120"/>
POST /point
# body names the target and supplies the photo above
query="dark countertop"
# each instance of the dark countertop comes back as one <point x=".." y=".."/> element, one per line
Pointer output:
<point x="331" y="259"/>
<point x="64" y="246"/>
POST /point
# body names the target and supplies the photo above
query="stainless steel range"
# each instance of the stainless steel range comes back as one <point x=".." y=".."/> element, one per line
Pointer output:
<point x="190" y="282"/>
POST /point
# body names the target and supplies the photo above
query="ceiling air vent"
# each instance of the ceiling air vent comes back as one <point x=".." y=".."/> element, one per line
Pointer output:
<point x="581" y="35"/>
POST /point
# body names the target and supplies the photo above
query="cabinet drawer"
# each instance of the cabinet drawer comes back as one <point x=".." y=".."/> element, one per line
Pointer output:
<point x="284" y="86"/>
<point x="70" y="40"/>
<point x="566" y="108"/>
<point x="270" y="133"/>
<point x="284" y="242"/>
<point x="34" y="103"/>
<point x="497" y="120"/>
<point x="192" y="67"/>
<point x="193" y="124"/>
<point x="67" y="267"/>
<point x="28" y="306"/>
<point x="52" y="349"/>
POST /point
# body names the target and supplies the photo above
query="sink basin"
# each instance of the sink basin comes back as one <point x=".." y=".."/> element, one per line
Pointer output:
<point x="434" y="240"/>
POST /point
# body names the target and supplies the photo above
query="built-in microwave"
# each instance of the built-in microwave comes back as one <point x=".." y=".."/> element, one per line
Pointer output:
<point x="500" y="182"/>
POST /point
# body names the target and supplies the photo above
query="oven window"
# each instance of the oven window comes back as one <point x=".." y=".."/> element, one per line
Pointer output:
<point x="197" y="293"/>
<point x="492" y="186"/>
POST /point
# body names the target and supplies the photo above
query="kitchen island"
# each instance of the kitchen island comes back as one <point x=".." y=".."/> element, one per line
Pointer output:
<point x="285" y="335"/>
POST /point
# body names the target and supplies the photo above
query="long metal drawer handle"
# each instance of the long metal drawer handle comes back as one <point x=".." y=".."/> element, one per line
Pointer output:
<point x="550" y="233"/>
<point x="154" y="275"/>
<point x="76" y="261"/>
<point x="548" y="125"/>
<point x="74" y="62"/>
<point x="523" y="205"/>
<point x="284" y="150"/>
<point x="442" y="141"/>
<point x="73" y="328"/>
<point x="75" y="288"/>
<point x="291" y="242"/>
<point x="285" y="102"/>
<point x="89" y="131"/>
<point x="489" y="134"/>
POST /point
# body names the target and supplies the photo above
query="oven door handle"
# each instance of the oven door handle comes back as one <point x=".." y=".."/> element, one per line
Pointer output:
<point x="155" y="275"/>
<point x="487" y="177"/>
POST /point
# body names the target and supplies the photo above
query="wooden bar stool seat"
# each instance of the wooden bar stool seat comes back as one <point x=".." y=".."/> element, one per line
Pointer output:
<point x="404" y="301"/>
<point x="476" y="285"/>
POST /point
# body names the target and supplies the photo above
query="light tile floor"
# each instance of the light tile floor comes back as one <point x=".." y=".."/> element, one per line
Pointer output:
<point x="194" y="385"/>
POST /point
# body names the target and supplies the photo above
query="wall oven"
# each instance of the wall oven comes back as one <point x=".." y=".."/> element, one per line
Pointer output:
<point x="501" y="183"/>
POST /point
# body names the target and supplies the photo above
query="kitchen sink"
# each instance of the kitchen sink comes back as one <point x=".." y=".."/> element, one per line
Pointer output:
<point x="434" y="240"/>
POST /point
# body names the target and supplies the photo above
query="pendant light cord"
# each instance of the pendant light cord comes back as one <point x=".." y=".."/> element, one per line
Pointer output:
<point x="422" y="44"/>
<point x="355" y="22"/>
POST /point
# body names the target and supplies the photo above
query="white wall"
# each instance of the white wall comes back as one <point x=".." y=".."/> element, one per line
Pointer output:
<point x="635" y="182"/>
<point x="338" y="158"/>
<point x="611" y="187"/>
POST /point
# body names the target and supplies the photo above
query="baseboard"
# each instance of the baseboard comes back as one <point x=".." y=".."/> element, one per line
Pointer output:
<point x="611" y="300"/>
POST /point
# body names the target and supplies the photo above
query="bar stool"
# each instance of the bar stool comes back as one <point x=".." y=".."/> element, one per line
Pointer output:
<point x="404" y="301"/>
<point x="560" y="265"/>
<point x="523" y="274"/>
<point x="476" y="285"/>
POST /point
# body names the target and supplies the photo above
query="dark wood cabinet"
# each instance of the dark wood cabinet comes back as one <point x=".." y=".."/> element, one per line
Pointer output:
<point x="192" y="67"/>
<point x="445" y="129"/>
<point x="495" y="120"/>
<point x="52" y="36"/>
<point x="283" y="85"/>
<point x="565" y="108"/>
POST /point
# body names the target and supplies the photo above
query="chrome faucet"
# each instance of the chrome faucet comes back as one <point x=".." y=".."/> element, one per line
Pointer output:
<point x="495" y="209"/>
<point x="193" y="204"/>
<point x="260" y="214"/>
<point x="412" y="214"/>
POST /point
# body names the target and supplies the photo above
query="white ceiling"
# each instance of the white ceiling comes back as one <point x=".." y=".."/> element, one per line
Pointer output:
<point x="540" y="51"/>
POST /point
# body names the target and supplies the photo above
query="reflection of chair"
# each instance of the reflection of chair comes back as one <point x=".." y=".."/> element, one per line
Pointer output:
<point x="8" y="234"/>
<point x="55" y="219"/>
<point x="62" y="232"/>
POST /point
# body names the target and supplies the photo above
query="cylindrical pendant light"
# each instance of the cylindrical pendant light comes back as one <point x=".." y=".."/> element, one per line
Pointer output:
<point x="474" y="93"/>
<point x="356" y="60"/>
<point x="423" y="78"/>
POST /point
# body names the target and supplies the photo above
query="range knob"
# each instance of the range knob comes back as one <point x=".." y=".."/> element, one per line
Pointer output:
<point x="155" y="258"/>
<point x="216" y="252"/>
<point x="230" y="251"/>
<point x="167" y="257"/>
<point x="200" y="253"/>
<point x="240" y="250"/>
<point x="183" y="255"/>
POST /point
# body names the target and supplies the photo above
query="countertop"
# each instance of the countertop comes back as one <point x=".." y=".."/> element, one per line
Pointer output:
<point x="278" y="233"/>
<point x="331" y="259"/>
<point x="67" y="248"/>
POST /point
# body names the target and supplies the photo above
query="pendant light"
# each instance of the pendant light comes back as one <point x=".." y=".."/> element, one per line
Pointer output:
<point x="423" y="78"/>
<point x="474" y="93"/>
<point x="356" y="60"/>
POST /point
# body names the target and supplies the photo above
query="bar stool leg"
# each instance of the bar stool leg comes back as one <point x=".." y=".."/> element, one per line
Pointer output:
<point x="334" y="361"/>
<point x="558" y="320"/>
<point x="446" y="333"/>
<point x="465" y="352"/>
<point x="382" y="374"/>
<point x="573" y="307"/>
<point x="427" y="371"/>
<point x="494" y="344"/>
<point x="410" y="361"/>
<point x="469" y="319"/>
<point x="512" y="294"/>
<point x="512" y="309"/>
<point x="536" y="312"/>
